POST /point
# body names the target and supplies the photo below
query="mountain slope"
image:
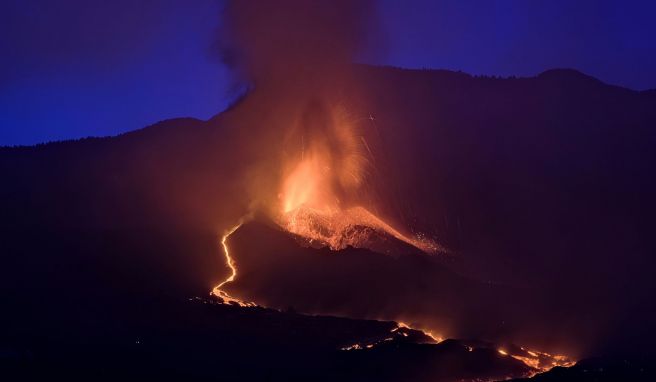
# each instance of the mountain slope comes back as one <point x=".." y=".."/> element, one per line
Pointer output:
<point x="542" y="183"/>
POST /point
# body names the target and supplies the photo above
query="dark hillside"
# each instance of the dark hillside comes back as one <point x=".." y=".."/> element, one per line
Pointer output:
<point x="542" y="183"/>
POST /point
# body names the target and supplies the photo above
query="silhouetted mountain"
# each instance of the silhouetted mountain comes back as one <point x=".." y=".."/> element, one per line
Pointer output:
<point x="539" y="184"/>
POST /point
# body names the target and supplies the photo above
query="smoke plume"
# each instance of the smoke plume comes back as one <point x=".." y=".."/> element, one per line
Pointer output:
<point x="305" y="145"/>
<point x="293" y="42"/>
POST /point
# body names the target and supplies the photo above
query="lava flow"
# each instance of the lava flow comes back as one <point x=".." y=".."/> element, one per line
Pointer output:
<point x="320" y="202"/>
<point x="539" y="360"/>
<point x="230" y="262"/>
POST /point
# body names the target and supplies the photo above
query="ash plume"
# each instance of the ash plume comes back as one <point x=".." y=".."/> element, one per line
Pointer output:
<point x="296" y="57"/>
<point x="293" y="42"/>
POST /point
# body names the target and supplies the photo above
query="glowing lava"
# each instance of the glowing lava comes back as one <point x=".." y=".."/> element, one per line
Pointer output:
<point x="430" y="334"/>
<point x="401" y="332"/>
<point x="311" y="208"/>
<point x="320" y="200"/>
<point x="218" y="290"/>
<point x="324" y="182"/>
<point x="338" y="229"/>
<point x="539" y="361"/>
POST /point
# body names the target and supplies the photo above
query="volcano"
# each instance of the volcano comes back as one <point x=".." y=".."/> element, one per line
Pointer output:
<point x="535" y="192"/>
<point x="312" y="278"/>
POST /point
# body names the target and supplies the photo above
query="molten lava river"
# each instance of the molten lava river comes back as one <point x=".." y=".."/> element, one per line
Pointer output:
<point x="310" y="207"/>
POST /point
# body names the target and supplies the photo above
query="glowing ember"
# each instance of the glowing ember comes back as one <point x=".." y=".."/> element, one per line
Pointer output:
<point x="338" y="229"/>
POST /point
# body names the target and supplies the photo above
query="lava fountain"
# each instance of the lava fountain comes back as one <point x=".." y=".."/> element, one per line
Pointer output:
<point x="320" y="186"/>
<point x="320" y="198"/>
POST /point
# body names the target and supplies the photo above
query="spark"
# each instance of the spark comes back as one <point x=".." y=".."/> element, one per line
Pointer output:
<point x="371" y="154"/>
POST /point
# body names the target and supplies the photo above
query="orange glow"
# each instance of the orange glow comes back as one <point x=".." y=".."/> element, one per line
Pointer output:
<point x="434" y="337"/>
<point x="329" y="163"/>
<point x="317" y="185"/>
<point x="218" y="290"/>
<point x="321" y="199"/>
<point x="400" y="331"/>
<point x="306" y="185"/>
<point x="337" y="228"/>
<point x="539" y="361"/>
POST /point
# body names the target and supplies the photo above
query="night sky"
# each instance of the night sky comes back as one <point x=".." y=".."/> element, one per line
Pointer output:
<point x="76" y="68"/>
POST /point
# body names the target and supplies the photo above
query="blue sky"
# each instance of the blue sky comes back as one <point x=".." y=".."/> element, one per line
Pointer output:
<point x="74" y="68"/>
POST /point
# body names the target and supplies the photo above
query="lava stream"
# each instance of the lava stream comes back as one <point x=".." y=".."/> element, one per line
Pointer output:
<point x="218" y="291"/>
<point x="538" y="361"/>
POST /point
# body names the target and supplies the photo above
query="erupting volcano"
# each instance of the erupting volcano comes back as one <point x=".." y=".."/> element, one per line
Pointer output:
<point x="351" y="222"/>
<point x="333" y="167"/>
<point x="316" y="206"/>
<point x="323" y="179"/>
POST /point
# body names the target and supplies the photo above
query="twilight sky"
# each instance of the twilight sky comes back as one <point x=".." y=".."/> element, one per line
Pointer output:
<point x="75" y="68"/>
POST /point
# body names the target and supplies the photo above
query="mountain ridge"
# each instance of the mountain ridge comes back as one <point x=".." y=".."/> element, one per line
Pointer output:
<point x="545" y="184"/>
<point x="559" y="74"/>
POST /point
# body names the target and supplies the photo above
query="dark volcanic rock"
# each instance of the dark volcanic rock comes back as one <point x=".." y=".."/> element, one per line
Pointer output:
<point x="600" y="370"/>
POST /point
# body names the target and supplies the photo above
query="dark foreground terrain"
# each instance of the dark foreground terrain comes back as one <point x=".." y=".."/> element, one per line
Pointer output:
<point x="87" y="336"/>
<point x="211" y="341"/>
